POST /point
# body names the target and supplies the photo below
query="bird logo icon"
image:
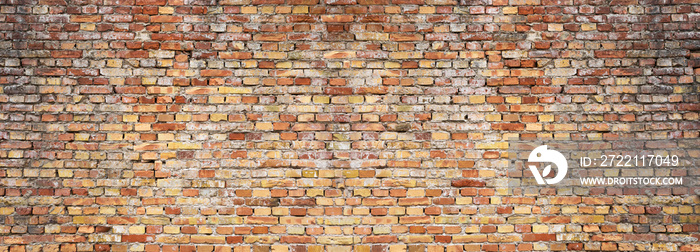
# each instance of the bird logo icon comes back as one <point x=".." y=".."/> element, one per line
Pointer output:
<point x="543" y="155"/>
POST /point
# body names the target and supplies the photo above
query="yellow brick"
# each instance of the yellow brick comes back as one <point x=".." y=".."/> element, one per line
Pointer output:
<point x="356" y="99"/>
<point x="249" y="10"/>
<point x="362" y="192"/>
<point x="15" y="154"/>
<point x="371" y="36"/>
<point x="166" y="137"/>
<point x="87" y="27"/>
<point x="263" y="126"/>
<point x="137" y="230"/>
<point x="130" y="118"/>
<point x="89" y="219"/>
<point x="405" y="55"/>
<point x="162" y="90"/>
<point x="183" y="117"/>
<point x="270" y="55"/>
<point x="184" y="146"/>
<point x="546" y="118"/>
<point x="327" y="173"/>
<point x="261" y="193"/>
<point x="154" y="210"/>
<point x="383" y="174"/>
<point x="166" y="10"/>
<point x="510" y="10"/>
<point x="513" y="99"/>
<point x="533" y="127"/>
<point x="218" y="117"/>
<point x="477" y="99"/>
<point x="285" y="64"/>
<point x="506" y="228"/>
<point x="63" y="173"/>
<point x="588" y="27"/>
<point x="267" y="9"/>
<point x="415" y="193"/>
<point x="392" y="65"/>
<point x="622" y="81"/>
<point x="426" y="10"/>
<point x="555" y="27"/>
<point x="309" y="174"/>
<point x="521" y="210"/>
<point x="7" y="210"/>
<point x="82" y="155"/>
<point x="235" y="90"/>
<point x="321" y="99"/>
<point x="685" y="209"/>
<point x="351" y="173"/>
<point x="493" y="117"/>
<point x="82" y="137"/>
<point x="171" y="229"/>
<point x="440" y="136"/>
<point x="109" y="210"/>
<point x="562" y="63"/>
<point x="497" y="145"/>
<point x="314" y="192"/>
<point x="424" y="81"/>
<point x="251" y="81"/>
<point x="670" y="210"/>
<point x="149" y="81"/>
<point x="540" y="229"/>
<point x="464" y="201"/>
<point x="300" y="9"/>
<point x="114" y="63"/>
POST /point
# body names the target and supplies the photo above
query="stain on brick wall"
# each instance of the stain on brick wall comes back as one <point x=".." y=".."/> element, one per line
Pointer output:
<point x="340" y="125"/>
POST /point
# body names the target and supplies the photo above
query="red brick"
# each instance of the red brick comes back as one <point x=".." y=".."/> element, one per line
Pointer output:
<point x="138" y="238"/>
<point x="539" y="237"/>
<point x="66" y="54"/>
<point x="468" y="183"/>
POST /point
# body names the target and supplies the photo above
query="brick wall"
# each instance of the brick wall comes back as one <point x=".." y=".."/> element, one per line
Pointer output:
<point x="365" y="125"/>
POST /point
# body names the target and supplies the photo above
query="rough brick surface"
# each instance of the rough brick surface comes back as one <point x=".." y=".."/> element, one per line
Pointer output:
<point x="310" y="125"/>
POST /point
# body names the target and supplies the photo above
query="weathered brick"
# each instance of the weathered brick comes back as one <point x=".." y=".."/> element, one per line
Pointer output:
<point x="345" y="125"/>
